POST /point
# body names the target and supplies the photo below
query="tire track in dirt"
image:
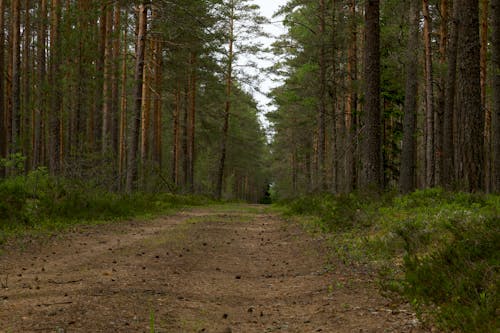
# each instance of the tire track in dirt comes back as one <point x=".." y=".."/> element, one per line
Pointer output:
<point x="221" y="269"/>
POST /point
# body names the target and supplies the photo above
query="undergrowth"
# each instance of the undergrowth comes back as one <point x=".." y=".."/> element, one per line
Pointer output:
<point x="439" y="250"/>
<point x="38" y="202"/>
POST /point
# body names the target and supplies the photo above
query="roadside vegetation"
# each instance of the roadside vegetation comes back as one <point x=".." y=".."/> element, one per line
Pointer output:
<point x="438" y="250"/>
<point x="38" y="202"/>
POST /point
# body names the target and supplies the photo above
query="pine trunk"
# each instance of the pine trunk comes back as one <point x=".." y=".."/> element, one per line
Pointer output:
<point x="429" y="100"/>
<point x="449" y="119"/>
<point x="469" y="91"/>
<point x="136" y="120"/>
<point x="371" y="177"/>
<point x="16" y="78"/>
<point x="408" y="155"/>
<point x="115" y="79"/>
<point x="106" y="86"/>
<point x="3" y="128"/>
<point x="55" y="143"/>
<point x="123" y="103"/>
<point x="175" y="139"/>
<point x="227" y="109"/>
<point x="495" y="120"/>
<point x="192" y="121"/>
<point x="352" y="99"/>
<point x="322" y="100"/>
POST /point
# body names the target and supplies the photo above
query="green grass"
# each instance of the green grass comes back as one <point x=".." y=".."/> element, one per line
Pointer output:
<point x="439" y="250"/>
<point x="38" y="203"/>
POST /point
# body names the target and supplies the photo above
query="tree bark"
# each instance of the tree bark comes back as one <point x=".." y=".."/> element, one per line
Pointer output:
<point x="192" y="121"/>
<point x="16" y="78"/>
<point x="28" y="112"/>
<point x="321" y="182"/>
<point x="448" y="175"/>
<point x="439" y="114"/>
<point x="352" y="98"/>
<point x="138" y="81"/>
<point x="3" y="128"/>
<point x="158" y="64"/>
<point x="145" y="114"/>
<point x="408" y="154"/>
<point x="123" y="103"/>
<point x="55" y="143"/>
<point x="106" y="83"/>
<point x="227" y="109"/>
<point x="469" y="92"/>
<point x="495" y="121"/>
<point x="175" y="148"/>
<point x="429" y="100"/>
<point x="371" y="177"/>
<point x="115" y="79"/>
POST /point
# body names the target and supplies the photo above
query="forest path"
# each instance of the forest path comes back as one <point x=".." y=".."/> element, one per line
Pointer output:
<point x="232" y="268"/>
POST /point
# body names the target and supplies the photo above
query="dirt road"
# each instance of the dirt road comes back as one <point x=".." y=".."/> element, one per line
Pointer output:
<point x="222" y="269"/>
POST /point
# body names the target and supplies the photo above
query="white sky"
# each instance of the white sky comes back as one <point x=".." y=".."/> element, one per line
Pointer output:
<point x="268" y="8"/>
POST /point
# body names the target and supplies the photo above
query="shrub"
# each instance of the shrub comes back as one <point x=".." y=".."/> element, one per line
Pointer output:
<point x="440" y="250"/>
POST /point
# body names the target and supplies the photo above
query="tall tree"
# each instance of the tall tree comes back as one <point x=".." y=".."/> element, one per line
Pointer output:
<point x="3" y="128"/>
<point x="138" y="96"/>
<point x="449" y="118"/>
<point x="352" y="97"/>
<point x="408" y="156"/>
<point x="55" y="142"/>
<point x="429" y="99"/>
<point x="371" y="176"/>
<point x="322" y="98"/>
<point x="469" y="91"/>
<point x="227" y="108"/>
<point x="495" y="121"/>
<point x="16" y="77"/>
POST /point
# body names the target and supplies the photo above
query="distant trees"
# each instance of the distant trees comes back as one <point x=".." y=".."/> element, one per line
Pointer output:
<point x="423" y="126"/>
<point x="112" y="92"/>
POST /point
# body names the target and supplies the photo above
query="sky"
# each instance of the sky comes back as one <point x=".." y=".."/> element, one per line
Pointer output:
<point x="268" y="8"/>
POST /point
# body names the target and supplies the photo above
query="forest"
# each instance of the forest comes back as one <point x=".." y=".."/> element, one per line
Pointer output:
<point x="382" y="131"/>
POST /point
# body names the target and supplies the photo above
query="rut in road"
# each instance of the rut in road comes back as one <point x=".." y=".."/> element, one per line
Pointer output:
<point x="232" y="268"/>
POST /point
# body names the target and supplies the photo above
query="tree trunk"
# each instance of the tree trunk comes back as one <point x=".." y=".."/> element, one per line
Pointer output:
<point x="448" y="176"/>
<point x="28" y="112"/>
<point x="55" y="143"/>
<point x="106" y="83"/>
<point x="408" y="154"/>
<point x="371" y="177"/>
<point x="352" y="98"/>
<point x="145" y="114"/>
<point x="429" y="100"/>
<point x="136" y="121"/>
<point x="192" y="121"/>
<point x="123" y="103"/>
<point x="227" y="110"/>
<point x="439" y="119"/>
<point x="484" y="77"/>
<point x="115" y="75"/>
<point x="16" y="76"/>
<point x="158" y="64"/>
<point x="469" y="92"/>
<point x="3" y="129"/>
<point x="175" y="148"/>
<point x="321" y="182"/>
<point x="495" y="120"/>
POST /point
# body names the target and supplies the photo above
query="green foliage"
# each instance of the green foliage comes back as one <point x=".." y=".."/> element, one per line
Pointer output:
<point x="39" y="201"/>
<point x="438" y="249"/>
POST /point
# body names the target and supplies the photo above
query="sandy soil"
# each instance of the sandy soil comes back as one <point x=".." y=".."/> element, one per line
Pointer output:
<point x="223" y="269"/>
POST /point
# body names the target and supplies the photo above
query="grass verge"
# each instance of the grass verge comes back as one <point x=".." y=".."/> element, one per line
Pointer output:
<point x="439" y="250"/>
<point x="38" y="203"/>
